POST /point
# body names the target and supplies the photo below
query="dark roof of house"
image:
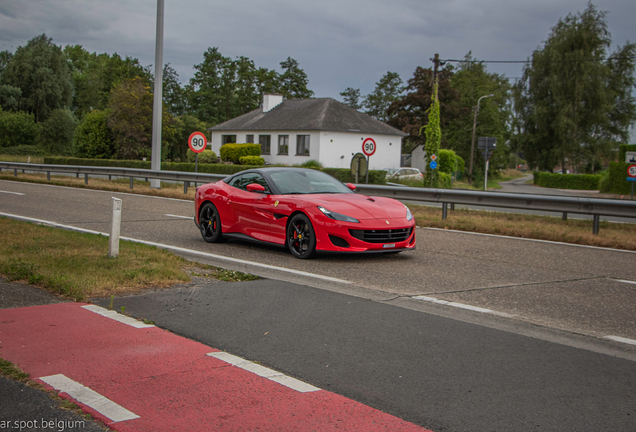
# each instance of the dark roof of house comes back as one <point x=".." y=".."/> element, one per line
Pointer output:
<point x="323" y="114"/>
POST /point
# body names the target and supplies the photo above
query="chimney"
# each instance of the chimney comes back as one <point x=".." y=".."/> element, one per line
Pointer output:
<point x="271" y="101"/>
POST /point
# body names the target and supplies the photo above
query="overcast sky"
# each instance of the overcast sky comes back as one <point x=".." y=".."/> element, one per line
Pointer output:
<point x="338" y="43"/>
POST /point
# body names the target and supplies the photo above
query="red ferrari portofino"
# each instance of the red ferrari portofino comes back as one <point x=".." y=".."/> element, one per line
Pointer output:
<point x="305" y="210"/>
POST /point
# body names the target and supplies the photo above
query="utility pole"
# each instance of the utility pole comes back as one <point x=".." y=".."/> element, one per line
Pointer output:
<point x="472" y="145"/>
<point x="435" y="70"/>
<point x="157" y="107"/>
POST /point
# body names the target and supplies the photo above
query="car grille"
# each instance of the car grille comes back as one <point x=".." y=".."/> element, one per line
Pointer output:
<point x="382" y="236"/>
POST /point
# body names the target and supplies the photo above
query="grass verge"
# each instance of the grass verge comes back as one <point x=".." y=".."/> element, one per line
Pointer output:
<point x="76" y="265"/>
<point x="611" y="235"/>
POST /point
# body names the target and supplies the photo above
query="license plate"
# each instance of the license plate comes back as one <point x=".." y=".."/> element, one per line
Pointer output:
<point x="387" y="246"/>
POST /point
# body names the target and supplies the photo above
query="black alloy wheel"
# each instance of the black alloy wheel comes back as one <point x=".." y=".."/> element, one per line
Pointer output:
<point x="301" y="238"/>
<point x="210" y="224"/>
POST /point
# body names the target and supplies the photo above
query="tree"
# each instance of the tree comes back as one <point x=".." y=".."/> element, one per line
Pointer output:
<point x="410" y="112"/>
<point x="57" y="132"/>
<point x="388" y="90"/>
<point x="18" y="128"/>
<point x="40" y="71"/>
<point x="174" y="96"/>
<point x="573" y="103"/>
<point x="130" y="120"/>
<point x="293" y="81"/>
<point x="352" y="98"/>
<point x="433" y="140"/>
<point x="177" y="148"/>
<point x="471" y="81"/>
<point x="93" y="138"/>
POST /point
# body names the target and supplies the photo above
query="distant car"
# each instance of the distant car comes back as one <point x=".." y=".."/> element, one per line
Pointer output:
<point x="396" y="174"/>
<point x="304" y="210"/>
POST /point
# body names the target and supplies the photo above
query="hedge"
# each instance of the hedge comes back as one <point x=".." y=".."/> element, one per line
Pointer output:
<point x="568" y="181"/>
<point x="617" y="180"/>
<point x="233" y="152"/>
<point x="344" y="175"/>
<point x="205" y="157"/>
<point x="24" y="150"/>
<point x="251" y="160"/>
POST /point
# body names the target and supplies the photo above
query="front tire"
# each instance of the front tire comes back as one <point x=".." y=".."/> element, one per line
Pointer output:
<point x="210" y="224"/>
<point x="301" y="238"/>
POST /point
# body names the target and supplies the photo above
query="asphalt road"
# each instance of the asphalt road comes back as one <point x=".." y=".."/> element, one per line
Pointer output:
<point x="545" y="365"/>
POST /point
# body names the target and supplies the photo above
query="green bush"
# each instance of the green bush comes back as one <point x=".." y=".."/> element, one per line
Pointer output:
<point x="233" y="152"/>
<point x="205" y="157"/>
<point x="568" y="181"/>
<point x="57" y="132"/>
<point x="24" y="150"/>
<point x="445" y="181"/>
<point x="93" y="138"/>
<point x="345" y="176"/>
<point x="18" y="129"/>
<point x="312" y="163"/>
<point x="251" y="160"/>
<point x="617" y="178"/>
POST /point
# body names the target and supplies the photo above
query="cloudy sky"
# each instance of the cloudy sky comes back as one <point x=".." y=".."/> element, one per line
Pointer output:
<point x="339" y="43"/>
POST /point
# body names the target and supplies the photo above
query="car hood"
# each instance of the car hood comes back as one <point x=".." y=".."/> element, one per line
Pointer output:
<point x="361" y="207"/>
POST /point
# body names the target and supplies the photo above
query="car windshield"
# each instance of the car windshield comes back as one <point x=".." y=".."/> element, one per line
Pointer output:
<point x="391" y="170"/>
<point x="306" y="182"/>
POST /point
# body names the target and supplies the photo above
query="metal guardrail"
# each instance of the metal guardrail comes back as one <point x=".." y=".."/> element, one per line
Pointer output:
<point x="590" y="206"/>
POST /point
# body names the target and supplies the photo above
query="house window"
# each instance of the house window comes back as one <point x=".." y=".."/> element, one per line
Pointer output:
<point x="249" y="139"/>
<point x="302" y="145"/>
<point x="228" y="139"/>
<point x="265" y="142"/>
<point x="283" y="144"/>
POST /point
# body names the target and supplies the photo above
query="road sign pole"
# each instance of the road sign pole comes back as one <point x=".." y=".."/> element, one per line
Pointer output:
<point x="368" y="157"/>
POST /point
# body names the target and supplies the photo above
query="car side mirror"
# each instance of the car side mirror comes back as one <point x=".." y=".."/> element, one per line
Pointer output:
<point x="255" y="187"/>
<point x="351" y="186"/>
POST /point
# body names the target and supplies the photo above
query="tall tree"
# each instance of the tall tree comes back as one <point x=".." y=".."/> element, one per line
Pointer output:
<point x="293" y="81"/>
<point x="410" y="113"/>
<point x="174" y="95"/>
<point x="351" y="97"/>
<point x="40" y="71"/>
<point x="388" y="90"/>
<point x="573" y="103"/>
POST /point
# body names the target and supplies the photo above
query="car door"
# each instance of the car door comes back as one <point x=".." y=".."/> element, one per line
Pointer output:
<point x="253" y="210"/>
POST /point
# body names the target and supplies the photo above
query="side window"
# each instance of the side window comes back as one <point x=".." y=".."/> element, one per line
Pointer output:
<point x="241" y="182"/>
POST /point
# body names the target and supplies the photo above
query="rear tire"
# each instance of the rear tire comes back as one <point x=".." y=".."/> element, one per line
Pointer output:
<point x="210" y="224"/>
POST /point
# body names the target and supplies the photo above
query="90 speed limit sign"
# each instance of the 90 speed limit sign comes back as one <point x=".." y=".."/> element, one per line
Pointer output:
<point x="197" y="142"/>
<point x="368" y="147"/>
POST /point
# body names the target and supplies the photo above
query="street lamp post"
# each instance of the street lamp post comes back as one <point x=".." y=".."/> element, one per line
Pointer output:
<point x="157" y="107"/>
<point x="472" y="145"/>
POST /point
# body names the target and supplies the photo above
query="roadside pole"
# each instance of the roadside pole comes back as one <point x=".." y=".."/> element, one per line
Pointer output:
<point x="115" y="226"/>
<point x="368" y="148"/>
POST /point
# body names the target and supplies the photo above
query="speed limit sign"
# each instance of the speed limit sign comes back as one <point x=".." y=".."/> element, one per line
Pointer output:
<point x="631" y="171"/>
<point x="368" y="147"/>
<point x="197" y="142"/>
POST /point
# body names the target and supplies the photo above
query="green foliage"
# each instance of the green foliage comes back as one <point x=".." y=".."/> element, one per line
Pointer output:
<point x="445" y="181"/>
<point x="233" y="152"/>
<point x="176" y="149"/>
<point x="351" y="97"/>
<point x="40" y="71"/>
<point x="24" y="150"/>
<point x="57" y="132"/>
<point x="433" y="140"/>
<point x="174" y="96"/>
<point x="616" y="181"/>
<point x="345" y="176"/>
<point x="448" y="161"/>
<point x="567" y="181"/>
<point x="387" y="90"/>
<point x="574" y="109"/>
<point x="206" y="157"/>
<point x="93" y="138"/>
<point x="311" y="163"/>
<point x="293" y="81"/>
<point x="18" y="129"/>
<point x="461" y="165"/>
<point x="251" y="160"/>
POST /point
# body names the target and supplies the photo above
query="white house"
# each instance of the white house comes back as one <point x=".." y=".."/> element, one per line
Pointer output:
<point x="294" y="131"/>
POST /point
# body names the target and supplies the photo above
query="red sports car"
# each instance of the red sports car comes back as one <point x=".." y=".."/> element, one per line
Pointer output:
<point x="305" y="210"/>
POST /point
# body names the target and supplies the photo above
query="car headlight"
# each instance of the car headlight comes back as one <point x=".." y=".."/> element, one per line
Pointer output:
<point x="337" y="216"/>
<point x="409" y="215"/>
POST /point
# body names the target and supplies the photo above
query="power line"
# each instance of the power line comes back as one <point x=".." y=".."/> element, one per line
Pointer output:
<point x="539" y="61"/>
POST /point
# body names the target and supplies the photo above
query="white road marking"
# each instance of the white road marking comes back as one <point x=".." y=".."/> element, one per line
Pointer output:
<point x="532" y="240"/>
<point x="13" y="193"/>
<point x="621" y="339"/>
<point x="89" y="397"/>
<point x="264" y="372"/>
<point x="462" y="306"/>
<point x="184" y="250"/>
<point x="117" y="316"/>
<point x="625" y="281"/>
<point x="182" y="217"/>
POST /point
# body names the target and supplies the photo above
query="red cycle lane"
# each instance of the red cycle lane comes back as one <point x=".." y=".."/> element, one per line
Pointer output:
<point x="148" y="379"/>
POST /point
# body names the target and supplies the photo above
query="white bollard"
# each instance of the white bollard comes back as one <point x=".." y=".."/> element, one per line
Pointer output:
<point x="113" y="243"/>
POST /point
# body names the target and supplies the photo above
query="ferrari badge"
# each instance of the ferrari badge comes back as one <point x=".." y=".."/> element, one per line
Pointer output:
<point x="276" y="204"/>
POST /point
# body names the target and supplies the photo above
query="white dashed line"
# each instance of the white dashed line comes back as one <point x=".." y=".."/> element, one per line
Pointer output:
<point x="625" y="281"/>
<point x="264" y="372"/>
<point x="117" y="316"/>
<point x="180" y="217"/>
<point x="461" y="306"/>
<point x="90" y="398"/>
<point x="621" y="339"/>
<point x="12" y="193"/>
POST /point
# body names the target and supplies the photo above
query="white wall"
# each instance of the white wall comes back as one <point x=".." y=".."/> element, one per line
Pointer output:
<point x="332" y="149"/>
<point x="417" y="158"/>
